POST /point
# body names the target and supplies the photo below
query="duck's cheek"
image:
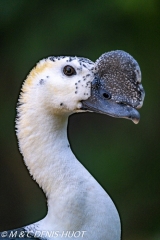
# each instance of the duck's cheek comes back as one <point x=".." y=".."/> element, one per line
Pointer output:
<point x="83" y="93"/>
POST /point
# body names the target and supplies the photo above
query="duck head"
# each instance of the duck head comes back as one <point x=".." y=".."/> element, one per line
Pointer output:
<point x="65" y="85"/>
<point x="116" y="89"/>
<point x="58" y="85"/>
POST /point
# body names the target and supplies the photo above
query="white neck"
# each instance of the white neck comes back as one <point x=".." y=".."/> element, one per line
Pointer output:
<point x="75" y="200"/>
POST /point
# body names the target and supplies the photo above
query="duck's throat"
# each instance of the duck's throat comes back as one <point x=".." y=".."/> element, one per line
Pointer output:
<point x="47" y="154"/>
<point x="44" y="145"/>
<point x="75" y="200"/>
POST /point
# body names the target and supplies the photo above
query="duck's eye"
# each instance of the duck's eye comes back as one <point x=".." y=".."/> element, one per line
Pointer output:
<point x="69" y="70"/>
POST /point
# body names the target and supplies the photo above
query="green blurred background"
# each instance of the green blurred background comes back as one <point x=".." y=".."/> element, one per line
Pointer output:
<point x="123" y="157"/>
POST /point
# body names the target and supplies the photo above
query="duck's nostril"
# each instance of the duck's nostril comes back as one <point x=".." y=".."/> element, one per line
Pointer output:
<point x="107" y="95"/>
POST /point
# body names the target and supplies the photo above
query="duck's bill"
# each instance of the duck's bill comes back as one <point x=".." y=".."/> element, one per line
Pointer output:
<point x="111" y="108"/>
<point x="99" y="102"/>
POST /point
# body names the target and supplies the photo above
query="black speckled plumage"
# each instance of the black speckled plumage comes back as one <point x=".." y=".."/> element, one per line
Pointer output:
<point x="82" y="60"/>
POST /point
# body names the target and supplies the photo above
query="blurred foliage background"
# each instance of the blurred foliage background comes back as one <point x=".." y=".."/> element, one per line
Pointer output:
<point x="123" y="157"/>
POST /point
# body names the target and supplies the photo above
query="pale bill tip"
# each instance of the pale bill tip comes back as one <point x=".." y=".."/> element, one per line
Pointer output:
<point x="135" y="120"/>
